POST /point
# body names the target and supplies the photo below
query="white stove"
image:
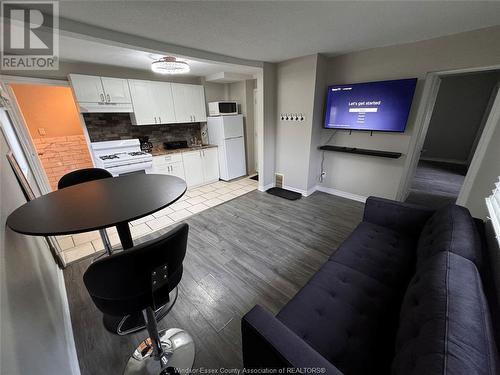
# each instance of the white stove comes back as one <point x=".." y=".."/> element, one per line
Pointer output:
<point x="122" y="157"/>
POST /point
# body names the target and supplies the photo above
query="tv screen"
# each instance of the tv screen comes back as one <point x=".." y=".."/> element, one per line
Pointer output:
<point x="373" y="106"/>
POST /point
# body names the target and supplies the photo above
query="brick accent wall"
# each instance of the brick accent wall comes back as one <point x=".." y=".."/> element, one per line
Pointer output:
<point x="116" y="126"/>
<point x="60" y="155"/>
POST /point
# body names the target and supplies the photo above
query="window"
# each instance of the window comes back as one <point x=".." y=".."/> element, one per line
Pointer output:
<point x="493" y="204"/>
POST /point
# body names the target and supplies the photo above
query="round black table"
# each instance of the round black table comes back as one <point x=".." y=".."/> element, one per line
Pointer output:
<point x="97" y="204"/>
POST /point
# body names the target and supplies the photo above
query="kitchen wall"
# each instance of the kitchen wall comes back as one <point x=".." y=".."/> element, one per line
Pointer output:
<point x="36" y="334"/>
<point x="363" y="175"/>
<point x="242" y="92"/>
<point x="115" y="126"/>
<point x="457" y="116"/>
<point x="54" y="125"/>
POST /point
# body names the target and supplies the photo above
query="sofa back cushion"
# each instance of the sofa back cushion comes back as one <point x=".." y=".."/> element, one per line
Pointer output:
<point x="445" y="325"/>
<point x="452" y="229"/>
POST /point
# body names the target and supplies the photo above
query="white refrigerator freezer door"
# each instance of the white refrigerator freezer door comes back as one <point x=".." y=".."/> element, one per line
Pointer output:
<point x="232" y="126"/>
<point x="235" y="157"/>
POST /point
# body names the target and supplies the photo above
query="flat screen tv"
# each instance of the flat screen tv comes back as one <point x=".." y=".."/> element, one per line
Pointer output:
<point x="373" y="106"/>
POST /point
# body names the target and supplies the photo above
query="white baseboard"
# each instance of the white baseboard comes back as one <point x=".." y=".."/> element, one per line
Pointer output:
<point x="441" y="160"/>
<point x="264" y="188"/>
<point x="343" y="194"/>
<point x="304" y="193"/>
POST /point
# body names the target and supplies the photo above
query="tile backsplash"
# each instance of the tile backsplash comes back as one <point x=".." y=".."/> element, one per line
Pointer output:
<point x="115" y="126"/>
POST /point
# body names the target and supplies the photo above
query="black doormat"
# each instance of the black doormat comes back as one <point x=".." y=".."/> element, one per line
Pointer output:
<point x="283" y="193"/>
<point x="256" y="177"/>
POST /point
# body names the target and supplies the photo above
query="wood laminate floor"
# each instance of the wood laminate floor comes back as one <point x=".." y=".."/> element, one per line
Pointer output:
<point x="255" y="249"/>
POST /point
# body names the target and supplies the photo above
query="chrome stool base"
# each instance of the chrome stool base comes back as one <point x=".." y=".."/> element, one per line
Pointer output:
<point x="179" y="349"/>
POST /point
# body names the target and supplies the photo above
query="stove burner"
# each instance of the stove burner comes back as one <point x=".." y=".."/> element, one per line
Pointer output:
<point x="137" y="153"/>
<point x="108" y="157"/>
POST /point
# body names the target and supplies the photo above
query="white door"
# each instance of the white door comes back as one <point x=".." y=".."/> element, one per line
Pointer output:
<point x="177" y="170"/>
<point x="87" y="89"/>
<point x="162" y="93"/>
<point x="143" y="103"/>
<point x="199" y="108"/>
<point x="232" y="126"/>
<point x="235" y="157"/>
<point x="210" y="164"/>
<point x="182" y="102"/>
<point x="193" y="168"/>
<point x="116" y="90"/>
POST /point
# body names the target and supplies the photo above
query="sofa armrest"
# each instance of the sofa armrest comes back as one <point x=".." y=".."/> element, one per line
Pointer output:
<point x="402" y="217"/>
<point x="269" y="344"/>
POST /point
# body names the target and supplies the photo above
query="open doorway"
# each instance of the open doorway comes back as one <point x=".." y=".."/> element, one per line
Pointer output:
<point x="51" y="117"/>
<point x="461" y="109"/>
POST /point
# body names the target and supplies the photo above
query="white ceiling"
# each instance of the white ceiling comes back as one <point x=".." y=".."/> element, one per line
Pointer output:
<point x="79" y="50"/>
<point x="279" y="30"/>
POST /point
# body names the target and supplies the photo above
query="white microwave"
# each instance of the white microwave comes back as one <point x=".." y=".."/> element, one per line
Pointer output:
<point x="222" y="108"/>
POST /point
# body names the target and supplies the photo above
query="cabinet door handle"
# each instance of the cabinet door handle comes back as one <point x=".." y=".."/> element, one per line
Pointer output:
<point x="102" y="97"/>
<point x="108" y="98"/>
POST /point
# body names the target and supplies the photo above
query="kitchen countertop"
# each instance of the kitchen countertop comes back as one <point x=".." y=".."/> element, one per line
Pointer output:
<point x="157" y="151"/>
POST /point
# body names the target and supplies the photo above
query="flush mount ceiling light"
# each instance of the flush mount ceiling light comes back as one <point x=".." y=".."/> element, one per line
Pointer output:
<point x="169" y="65"/>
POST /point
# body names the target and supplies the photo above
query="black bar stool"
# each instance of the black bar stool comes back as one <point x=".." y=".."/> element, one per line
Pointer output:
<point x="141" y="279"/>
<point x="84" y="175"/>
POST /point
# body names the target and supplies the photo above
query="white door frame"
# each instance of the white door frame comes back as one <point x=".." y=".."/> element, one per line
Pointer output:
<point x="422" y="121"/>
<point x="21" y="127"/>
<point x="255" y="133"/>
<point x="489" y="128"/>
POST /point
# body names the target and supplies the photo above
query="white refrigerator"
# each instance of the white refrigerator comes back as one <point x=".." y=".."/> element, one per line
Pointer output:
<point x="227" y="133"/>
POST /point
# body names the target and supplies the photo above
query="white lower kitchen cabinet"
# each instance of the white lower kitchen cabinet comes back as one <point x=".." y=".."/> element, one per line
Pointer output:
<point x="201" y="166"/>
<point x="197" y="167"/>
<point x="177" y="170"/>
<point x="193" y="168"/>
<point x="210" y="161"/>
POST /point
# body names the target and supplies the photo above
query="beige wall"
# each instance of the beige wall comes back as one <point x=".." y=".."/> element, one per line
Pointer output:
<point x="296" y="82"/>
<point x="364" y="175"/>
<point x="36" y="335"/>
<point x="214" y="91"/>
<point x="266" y="124"/>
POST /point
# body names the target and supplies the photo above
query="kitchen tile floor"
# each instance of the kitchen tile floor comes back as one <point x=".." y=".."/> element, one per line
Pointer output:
<point x="195" y="200"/>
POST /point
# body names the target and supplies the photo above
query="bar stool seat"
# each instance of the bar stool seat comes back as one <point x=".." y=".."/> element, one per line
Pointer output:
<point x="84" y="175"/>
<point x="143" y="279"/>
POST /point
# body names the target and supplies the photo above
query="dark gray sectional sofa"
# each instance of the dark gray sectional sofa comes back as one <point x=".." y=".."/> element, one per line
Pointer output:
<point x="403" y="295"/>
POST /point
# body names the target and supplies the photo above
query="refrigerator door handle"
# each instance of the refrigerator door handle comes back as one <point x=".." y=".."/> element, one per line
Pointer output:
<point x="239" y="136"/>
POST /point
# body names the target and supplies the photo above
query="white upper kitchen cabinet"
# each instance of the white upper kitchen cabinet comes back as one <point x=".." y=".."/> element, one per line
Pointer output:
<point x="87" y="88"/>
<point x="189" y="103"/>
<point x="210" y="161"/>
<point x="193" y="168"/>
<point x="101" y="94"/>
<point x="152" y="101"/>
<point x="116" y="90"/>
<point x="143" y="102"/>
<point x="162" y="92"/>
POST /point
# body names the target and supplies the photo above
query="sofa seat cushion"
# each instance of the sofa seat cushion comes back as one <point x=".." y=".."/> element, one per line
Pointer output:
<point x="379" y="252"/>
<point x="347" y="317"/>
<point x="445" y="324"/>
<point x="453" y="229"/>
